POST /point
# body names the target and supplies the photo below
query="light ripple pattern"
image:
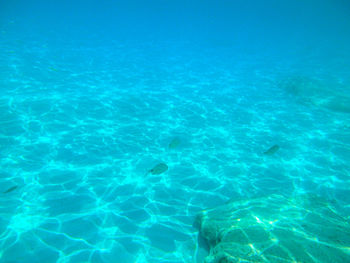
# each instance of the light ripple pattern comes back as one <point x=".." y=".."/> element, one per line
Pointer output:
<point x="78" y="139"/>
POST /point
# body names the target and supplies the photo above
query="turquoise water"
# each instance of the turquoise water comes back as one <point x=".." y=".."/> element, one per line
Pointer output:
<point x="93" y="98"/>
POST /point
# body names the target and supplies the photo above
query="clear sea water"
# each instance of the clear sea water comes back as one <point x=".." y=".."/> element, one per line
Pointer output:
<point x="95" y="94"/>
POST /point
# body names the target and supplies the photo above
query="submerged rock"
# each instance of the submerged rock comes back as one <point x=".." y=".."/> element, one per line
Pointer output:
<point x="159" y="169"/>
<point x="274" y="229"/>
<point x="317" y="93"/>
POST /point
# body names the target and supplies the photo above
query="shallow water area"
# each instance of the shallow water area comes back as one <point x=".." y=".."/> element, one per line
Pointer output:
<point x="84" y="121"/>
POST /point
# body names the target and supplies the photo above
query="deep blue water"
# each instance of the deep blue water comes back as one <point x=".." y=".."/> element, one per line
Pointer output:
<point x="95" y="94"/>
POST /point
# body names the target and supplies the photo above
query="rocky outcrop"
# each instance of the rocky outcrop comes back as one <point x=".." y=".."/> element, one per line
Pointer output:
<point x="318" y="93"/>
<point x="276" y="229"/>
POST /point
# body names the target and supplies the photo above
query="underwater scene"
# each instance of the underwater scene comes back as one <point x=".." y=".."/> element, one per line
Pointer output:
<point x="174" y="131"/>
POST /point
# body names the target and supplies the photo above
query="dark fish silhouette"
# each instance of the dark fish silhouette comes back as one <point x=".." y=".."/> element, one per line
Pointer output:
<point x="272" y="150"/>
<point x="159" y="169"/>
<point x="12" y="188"/>
<point x="174" y="143"/>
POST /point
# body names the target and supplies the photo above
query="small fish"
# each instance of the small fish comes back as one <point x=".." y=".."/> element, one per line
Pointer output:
<point x="12" y="188"/>
<point x="174" y="143"/>
<point x="272" y="150"/>
<point x="53" y="69"/>
<point x="159" y="169"/>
